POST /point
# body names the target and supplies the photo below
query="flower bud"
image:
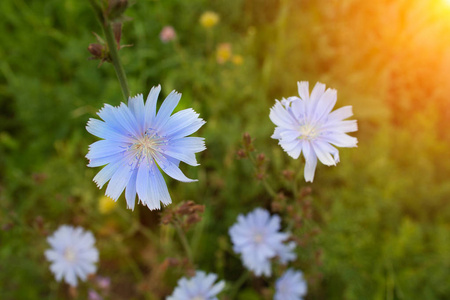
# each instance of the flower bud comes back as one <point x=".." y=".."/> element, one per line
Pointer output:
<point x="288" y="175"/>
<point x="306" y="191"/>
<point x="96" y="50"/>
<point x="116" y="8"/>
<point x="241" y="153"/>
<point x="247" y="142"/>
<point x="261" y="158"/>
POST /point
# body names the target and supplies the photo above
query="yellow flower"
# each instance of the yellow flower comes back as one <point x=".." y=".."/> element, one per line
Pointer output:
<point x="223" y="53"/>
<point x="209" y="19"/>
<point x="106" y="205"/>
<point x="237" y="60"/>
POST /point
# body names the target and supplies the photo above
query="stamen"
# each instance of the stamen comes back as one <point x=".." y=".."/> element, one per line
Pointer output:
<point x="146" y="147"/>
<point x="308" y="132"/>
<point x="69" y="254"/>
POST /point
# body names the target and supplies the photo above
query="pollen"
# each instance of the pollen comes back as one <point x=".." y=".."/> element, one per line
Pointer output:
<point x="147" y="146"/>
<point x="308" y="132"/>
<point x="69" y="254"/>
<point x="258" y="238"/>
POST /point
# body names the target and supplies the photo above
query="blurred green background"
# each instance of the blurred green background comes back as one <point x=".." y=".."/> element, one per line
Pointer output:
<point x="383" y="212"/>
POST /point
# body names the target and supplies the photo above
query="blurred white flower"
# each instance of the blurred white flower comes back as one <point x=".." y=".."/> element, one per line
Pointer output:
<point x="72" y="255"/>
<point x="290" y="286"/>
<point x="307" y="124"/>
<point x="257" y="238"/>
<point x="199" y="287"/>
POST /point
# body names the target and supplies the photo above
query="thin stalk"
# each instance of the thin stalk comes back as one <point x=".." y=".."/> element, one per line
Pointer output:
<point x="113" y="48"/>
<point x="236" y="286"/>
<point x="184" y="241"/>
<point x="266" y="184"/>
<point x="114" y="53"/>
<point x="295" y="184"/>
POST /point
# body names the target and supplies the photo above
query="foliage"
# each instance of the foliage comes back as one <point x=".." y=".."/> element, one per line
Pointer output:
<point x="376" y="226"/>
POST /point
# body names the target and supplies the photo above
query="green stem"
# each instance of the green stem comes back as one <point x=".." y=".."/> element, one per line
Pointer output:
<point x="184" y="241"/>
<point x="266" y="184"/>
<point x="113" y="51"/>
<point x="113" y="48"/>
<point x="235" y="288"/>
<point x="295" y="184"/>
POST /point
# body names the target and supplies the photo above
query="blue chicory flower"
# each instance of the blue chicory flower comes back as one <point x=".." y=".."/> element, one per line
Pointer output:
<point x="201" y="286"/>
<point x="138" y="142"/>
<point x="257" y="238"/>
<point x="307" y="125"/>
<point x="72" y="255"/>
<point x="290" y="286"/>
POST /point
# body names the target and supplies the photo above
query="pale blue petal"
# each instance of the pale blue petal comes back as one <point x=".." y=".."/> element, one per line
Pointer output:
<point x="106" y="173"/>
<point x="136" y="105"/>
<point x="281" y="117"/>
<point x="104" y="160"/>
<point x="191" y="144"/>
<point x="166" y="109"/>
<point x="104" y="148"/>
<point x="127" y="120"/>
<point x="322" y="154"/>
<point x="340" y="126"/>
<point x="311" y="161"/>
<point x="150" y="106"/>
<point x="189" y="129"/>
<point x="109" y="114"/>
<point x="316" y="94"/>
<point x="324" y="144"/>
<point x="290" y="135"/>
<point x="326" y="104"/>
<point x="161" y="187"/>
<point x="303" y="90"/>
<point x="182" y="155"/>
<point x="181" y="120"/>
<point x="130" y="191"/>
<point x="341" y="140"/>
<point x="341" y="113"/>
<point x="171" y="169"/>
<point x="104" y="131"/>
<point x="119" y="181"/>
<point x="142" y="180"/>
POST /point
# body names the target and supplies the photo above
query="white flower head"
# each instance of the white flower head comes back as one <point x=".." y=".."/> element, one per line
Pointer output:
<point x="257" y="238"/>
<point x="72" y="255"/>
<point x="199" y="287"/>
<point x="307" y="125"/>
<point x="290" y="286"/>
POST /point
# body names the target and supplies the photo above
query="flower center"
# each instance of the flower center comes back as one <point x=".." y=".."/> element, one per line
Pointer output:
<point x="147" y="146"/>
<point x="69" y="254"/>
<point x="308" y="132"/>
<point x="258" y="238"/>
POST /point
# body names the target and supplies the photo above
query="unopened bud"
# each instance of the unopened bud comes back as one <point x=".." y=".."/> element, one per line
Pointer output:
<point x="117" y="29"/>
<point x="192" y="219"/>
<point x="241" y="153"/>
<point x="7" y="226"/>
<point x="306" y="191"/>
<point x="260" y="176"/>
<point x="116" y="8"/>
<point x="281" y="196"/>
<point x="96" y="50"/>
<point x="167" y="217"/>
<point x="247" y="141"/>
<point x="276" y="206"/>
<point x="261" y="158"/>
<point x="288" y="175"/>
